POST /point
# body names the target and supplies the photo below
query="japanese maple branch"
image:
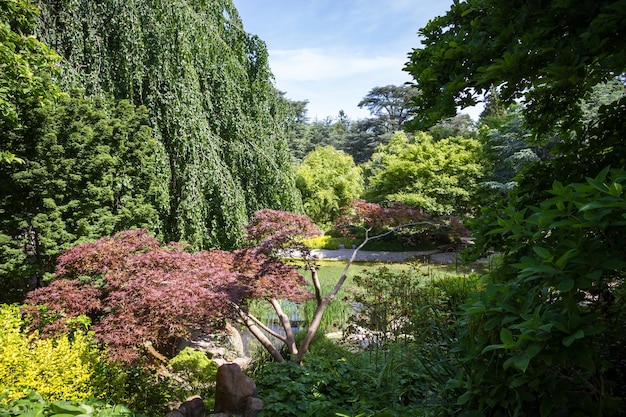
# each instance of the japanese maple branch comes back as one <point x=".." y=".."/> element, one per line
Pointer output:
<point x="251" y="324"/>
<point x="286" y="323"/>
<point x="245" y="315"/>
<point x="367" y="239"/>
<point x="325" y="301"/>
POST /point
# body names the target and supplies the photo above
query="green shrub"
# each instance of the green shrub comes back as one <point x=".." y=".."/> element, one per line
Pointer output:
<point x="399" y="371"/>
<point x="70" y="367"/>
<point x="328" y="242"/>
<point x="195" y="373"/>
<point x="34" y="405"/>
<point x="411" y="303"/>
<point x="546" y="335"/>
<point x="143" y="390"/>
<point x="335" y="382"/>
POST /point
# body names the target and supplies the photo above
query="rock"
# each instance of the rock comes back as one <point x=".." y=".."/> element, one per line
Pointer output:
<point x="254" y="406"/>
<point x="232" y="389"/>
<point x="234" y="338"/>
<point x="193" y="407"/>
<point x="444" y="257"/>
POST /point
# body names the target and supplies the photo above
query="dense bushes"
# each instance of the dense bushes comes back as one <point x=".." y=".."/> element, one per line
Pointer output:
<point x="551" y="320"/>
<point x="41" y="375"/>
<point x="35" y="405"/>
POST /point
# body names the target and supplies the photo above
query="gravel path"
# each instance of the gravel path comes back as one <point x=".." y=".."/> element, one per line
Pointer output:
<point x="380" y="256"/>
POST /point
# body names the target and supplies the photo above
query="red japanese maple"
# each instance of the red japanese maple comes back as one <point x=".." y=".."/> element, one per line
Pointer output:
<point x="139" y="293"/>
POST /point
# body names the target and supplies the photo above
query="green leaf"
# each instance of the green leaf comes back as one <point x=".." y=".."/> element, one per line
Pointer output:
<point x="594" y="275"/>
<point x="464" y="398"/>
<point x="531" y="351"/>
<point x="543" y="253"/>
<point x="616" y="189"/>
<point x="545" y="407"/>
<point x="602" y="203"/>
<point x="566" y="285"/>
<point x="492" y="323"/>
<point x="567" y="341"/>
<point x="521" y="362"/>
<point x="62" y="407"/>
<point x="491" y="347"/>
<point x="565" y="257"/>
<point x="507" y="337"/>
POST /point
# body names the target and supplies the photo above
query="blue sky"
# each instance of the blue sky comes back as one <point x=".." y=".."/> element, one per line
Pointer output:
<point x="333" y="52"/>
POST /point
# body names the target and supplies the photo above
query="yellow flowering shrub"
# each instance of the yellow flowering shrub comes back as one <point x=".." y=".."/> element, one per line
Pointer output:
<point x="57" y="368"/>
<point x="326" y="242"/>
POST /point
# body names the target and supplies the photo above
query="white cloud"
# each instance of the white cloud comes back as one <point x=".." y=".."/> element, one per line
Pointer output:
<point x="333" y="53"/>
<point x="317" y="64"/>
<point x="333" y="80"/>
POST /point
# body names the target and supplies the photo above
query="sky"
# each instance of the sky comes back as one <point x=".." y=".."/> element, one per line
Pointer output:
<point x="333" y="52"/>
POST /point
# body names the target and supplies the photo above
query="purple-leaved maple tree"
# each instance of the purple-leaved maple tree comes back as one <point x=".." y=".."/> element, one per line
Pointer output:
<point x="143" y="298"/>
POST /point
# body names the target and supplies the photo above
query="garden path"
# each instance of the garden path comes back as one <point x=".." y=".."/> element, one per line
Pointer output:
<point x="436" y="256"/>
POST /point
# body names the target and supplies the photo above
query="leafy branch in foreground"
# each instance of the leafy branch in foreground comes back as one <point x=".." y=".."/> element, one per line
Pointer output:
<point x="552" y="318"/>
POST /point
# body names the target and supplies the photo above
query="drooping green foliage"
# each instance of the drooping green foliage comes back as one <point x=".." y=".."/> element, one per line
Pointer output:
<point x="208" y="89"/>
<point x="89" y="171"/>
<point x="26" y="68"/>
<point x="439" y="177"/>
<point x="328" y="180"/>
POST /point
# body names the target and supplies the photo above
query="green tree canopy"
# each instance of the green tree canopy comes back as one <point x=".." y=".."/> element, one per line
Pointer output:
<point x="510" y="148"/>
<point x="88" y="171"/>
<point x="550" y="319"/>
<point x="328" y="180"/>
<point x="549" y="53"/>
<point x="208" y="89"/>
<point x="391" y="103"/>
<point x="439" y="177"/>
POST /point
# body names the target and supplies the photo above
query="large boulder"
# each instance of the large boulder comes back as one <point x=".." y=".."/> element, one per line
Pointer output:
<point x="233" y="389"/>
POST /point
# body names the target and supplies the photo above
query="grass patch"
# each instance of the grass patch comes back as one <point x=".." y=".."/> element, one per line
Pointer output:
<point x="339" y="311"/>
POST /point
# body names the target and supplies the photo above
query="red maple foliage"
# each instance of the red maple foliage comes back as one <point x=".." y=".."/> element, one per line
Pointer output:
<point x="142" y="295"/>
<point x="377" y="220"/>
<point x="272" y="230"/>
<point x="136" y="292"/>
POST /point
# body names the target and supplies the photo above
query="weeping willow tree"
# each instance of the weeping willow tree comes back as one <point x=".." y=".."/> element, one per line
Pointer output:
<point x="218" y="119"/>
